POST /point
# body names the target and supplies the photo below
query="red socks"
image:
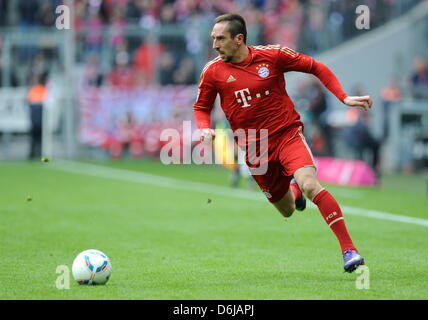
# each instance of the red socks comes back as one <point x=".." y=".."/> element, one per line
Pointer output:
<point x="332" y="214"/>
<point x="296" y="190"/>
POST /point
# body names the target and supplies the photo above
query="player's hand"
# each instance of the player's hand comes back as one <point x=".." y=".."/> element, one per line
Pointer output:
<point x="207" y="135"/>
<point x="364" y="102"/>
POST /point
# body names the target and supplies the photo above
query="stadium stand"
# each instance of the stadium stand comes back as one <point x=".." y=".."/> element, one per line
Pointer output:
<point x="134" y="46"/>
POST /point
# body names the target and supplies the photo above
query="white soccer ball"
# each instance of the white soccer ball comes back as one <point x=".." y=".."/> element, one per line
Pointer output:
<point x="91" y="267"/>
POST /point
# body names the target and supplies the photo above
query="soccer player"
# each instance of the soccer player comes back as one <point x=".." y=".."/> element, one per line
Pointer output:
<point x="250" y="82"/>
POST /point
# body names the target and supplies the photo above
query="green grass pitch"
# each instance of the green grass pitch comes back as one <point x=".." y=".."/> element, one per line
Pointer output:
<point x="165" y="242"/>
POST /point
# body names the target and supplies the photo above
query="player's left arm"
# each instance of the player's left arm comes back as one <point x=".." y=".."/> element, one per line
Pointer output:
<point x="330" y="81"/>
<point x="290" y="60"/>
<point x="364" y="102"/>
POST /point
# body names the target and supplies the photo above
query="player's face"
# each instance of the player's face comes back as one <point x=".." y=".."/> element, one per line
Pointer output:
<point x="223" y="43"/>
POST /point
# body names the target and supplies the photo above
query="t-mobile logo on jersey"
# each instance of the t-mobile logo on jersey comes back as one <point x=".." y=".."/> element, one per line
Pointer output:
<point x="244" y="96"/>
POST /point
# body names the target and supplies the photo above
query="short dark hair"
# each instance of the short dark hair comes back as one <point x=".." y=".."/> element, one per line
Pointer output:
<point x="236" y="24"/>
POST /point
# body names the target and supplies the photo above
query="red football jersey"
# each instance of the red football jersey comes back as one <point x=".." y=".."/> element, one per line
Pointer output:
<point x="252" y="93"/>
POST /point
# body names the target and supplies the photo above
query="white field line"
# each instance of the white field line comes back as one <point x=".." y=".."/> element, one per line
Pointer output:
<point x="171" y="183"/>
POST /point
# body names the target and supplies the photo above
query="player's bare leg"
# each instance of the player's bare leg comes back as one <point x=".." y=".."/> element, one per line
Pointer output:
<point x="292" y="200"/>
<point x="330" y="210"/>
<point x="308" y="182"/>
<point x="286" y="205"/>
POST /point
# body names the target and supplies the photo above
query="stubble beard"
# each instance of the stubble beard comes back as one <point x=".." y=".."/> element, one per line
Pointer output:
<point x="227" y="58"/>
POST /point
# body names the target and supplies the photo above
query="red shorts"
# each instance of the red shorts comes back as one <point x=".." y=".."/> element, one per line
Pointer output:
<point x="288" y="151"/>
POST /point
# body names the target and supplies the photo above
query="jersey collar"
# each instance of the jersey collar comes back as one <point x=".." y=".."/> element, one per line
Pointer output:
<point x="247" y="60"/>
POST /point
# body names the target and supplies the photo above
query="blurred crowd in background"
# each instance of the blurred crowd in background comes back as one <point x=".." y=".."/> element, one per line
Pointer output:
<point x="312" y="103"/>
<point x="115" y="38"/>
<point x="133" y="44"/>
<point x="118" y="34"/>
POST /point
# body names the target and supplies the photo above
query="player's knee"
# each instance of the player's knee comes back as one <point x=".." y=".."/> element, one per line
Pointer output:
<point x="310" y="187"/>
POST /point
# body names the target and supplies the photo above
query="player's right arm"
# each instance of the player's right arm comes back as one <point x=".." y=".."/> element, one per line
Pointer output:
<point x="204" y="104"/>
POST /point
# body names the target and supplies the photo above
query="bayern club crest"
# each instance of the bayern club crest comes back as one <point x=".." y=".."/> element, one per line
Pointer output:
<point x="263" y="70"/>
